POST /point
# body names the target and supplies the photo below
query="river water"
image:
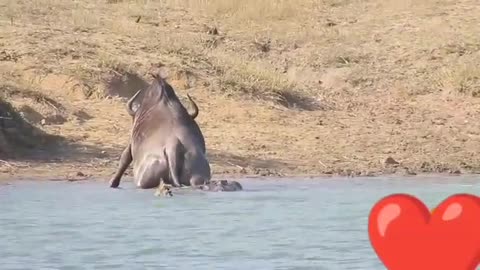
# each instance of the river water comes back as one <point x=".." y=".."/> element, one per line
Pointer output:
<point x="272" y="224"/>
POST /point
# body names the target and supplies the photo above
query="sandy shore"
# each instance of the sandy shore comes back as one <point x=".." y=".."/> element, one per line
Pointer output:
<point x="304" y="89"/>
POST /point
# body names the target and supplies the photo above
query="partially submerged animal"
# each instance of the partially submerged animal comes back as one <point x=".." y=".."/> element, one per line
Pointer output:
<point x="163" y="190"/>
<point x="166" y="144"/>
<point x="222" y="185"/>
<point x="212" y="186"/>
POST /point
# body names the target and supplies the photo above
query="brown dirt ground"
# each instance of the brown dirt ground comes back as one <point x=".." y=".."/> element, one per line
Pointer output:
<point x="284" y="87"/>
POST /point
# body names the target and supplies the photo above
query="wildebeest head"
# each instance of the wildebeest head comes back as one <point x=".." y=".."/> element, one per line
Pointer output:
<point x="158" y="91"/>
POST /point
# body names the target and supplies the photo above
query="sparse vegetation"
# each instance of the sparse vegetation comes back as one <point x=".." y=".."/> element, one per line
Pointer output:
<point x="17" y="131"/>
<point x="250" y="79"/>
<point x="308" y="86"/>
<point x="463" y="78"/>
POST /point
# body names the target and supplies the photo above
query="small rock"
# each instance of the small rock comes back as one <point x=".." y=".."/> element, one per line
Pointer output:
<point x="425" y="167"/>
<point x="455" y="172"/>
<point x="263" y="46"/>
<point x="212" y="31"/>
<point x="76" y="177"/>
<point x="391" y="161"/>
<point x="330" y="24"/>
<point x="408" y="171"/>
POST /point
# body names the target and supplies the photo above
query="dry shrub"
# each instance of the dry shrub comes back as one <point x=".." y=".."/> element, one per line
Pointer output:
<point x="462" y="78"/>
<point x="243" y="77"/>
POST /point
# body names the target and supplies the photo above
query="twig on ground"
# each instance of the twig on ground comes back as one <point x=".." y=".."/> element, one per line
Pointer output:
<point x="238" y="166"/>
<point x="323" y="164"/>
<point x="52" y="105"/>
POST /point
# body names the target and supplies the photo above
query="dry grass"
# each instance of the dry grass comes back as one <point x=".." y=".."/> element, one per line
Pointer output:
<point x="17" y="130"/>
<point x="463" y="78"/>
<point x="245" y="10"/>
<point x="250" y="79"/>
<point x="290" y="86"/>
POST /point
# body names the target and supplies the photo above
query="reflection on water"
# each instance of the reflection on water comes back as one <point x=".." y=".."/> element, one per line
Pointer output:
<point x="272" y="224"/>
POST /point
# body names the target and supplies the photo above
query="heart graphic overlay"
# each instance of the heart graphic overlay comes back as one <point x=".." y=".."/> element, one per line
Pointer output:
<point x="406" y="236"/>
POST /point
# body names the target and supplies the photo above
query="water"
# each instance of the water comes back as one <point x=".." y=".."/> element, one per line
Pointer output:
<point x="273" y="224"/>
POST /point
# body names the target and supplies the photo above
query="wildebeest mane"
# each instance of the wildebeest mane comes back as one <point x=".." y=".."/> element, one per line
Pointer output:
<point x="161" y="84"/>
<point x="160" y="92"/>
<point x="167" y="94"/>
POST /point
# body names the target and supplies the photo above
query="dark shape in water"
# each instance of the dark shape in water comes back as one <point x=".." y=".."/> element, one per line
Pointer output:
<point x="222" y="185"/>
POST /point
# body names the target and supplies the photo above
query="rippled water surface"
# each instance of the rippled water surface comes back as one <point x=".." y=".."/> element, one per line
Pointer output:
<point x="272" y="224"/>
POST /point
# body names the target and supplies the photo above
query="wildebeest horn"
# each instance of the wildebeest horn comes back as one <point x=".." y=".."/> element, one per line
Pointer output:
<point x="130" y="110"/>
<point x="194" y="114"/>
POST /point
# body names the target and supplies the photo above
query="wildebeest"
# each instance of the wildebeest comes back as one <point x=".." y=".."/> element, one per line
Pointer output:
<point x="166" y="144"/>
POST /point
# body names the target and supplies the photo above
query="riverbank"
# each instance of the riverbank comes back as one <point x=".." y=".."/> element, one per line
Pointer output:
<point x="304" y="89"/>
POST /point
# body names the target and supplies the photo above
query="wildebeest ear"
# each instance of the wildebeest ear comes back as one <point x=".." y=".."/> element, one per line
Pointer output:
<point x="133" y="104"/>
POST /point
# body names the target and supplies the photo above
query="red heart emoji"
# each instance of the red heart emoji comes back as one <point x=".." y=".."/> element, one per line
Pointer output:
<point x="406" y="237"/>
